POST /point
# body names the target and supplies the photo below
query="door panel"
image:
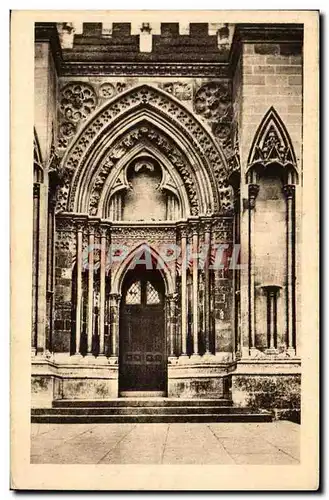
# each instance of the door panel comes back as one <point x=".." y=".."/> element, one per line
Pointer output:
<point x="142" y="355"/>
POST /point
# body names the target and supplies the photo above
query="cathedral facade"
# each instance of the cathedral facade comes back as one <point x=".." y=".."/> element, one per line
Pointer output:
<point x="167" y="205"/>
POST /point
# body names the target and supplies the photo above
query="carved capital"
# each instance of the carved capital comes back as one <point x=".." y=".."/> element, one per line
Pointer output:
<point x="115" y="299"/>
<point x="80" y="225"/>
<point x="91" y="228"/>
<point x="194" y="228"/>
<point x="271" y="290"/>
<point x="103" y="230"/>
<point x="183" y="230"/>
<point x="206" y="225"/>
<point x="253" y="190"/>
<point x="289" y="191"/>
<point x="36" y="190"/>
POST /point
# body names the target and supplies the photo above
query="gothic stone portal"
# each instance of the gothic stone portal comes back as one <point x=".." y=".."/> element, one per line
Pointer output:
<point x="190" y="160"/>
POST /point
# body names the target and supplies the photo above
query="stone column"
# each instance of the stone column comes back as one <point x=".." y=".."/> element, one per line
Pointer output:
<point x="207" y="242"/>
<point x="103" y="231"/>
<point x="184" y="290"/>
<point x="35" y="274"/>
<point x="171" y="305"/>
<point x="289" y="191"/>
<point x="78" y="311"/>
<point x="90" y="288"/>
<point x="42" y="270"/>
<point x="271" y="296"/>
<point x="50" y="270"/>
<point x="253" y="190"/>
<point x="195" y="288"/>
<point x="237" y="340"/>
<point x="114" y="324"/>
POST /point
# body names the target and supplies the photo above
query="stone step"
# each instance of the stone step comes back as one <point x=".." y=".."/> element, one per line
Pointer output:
<point x="140" y="410"/>
<point x="140" y="402"/>
<point x="164" y="418"/>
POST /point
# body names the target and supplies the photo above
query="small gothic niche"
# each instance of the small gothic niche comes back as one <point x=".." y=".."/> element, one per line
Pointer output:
<point x="272" y="149"/>
<point x="271" y="168"/>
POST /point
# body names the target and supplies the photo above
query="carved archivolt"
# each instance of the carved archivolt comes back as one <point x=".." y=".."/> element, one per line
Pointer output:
<point x="144" y="134"/>
<point x="183" y="126"/>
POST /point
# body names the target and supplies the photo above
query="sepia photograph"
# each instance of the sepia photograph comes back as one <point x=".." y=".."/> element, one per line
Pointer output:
<point x="167" y="189"/>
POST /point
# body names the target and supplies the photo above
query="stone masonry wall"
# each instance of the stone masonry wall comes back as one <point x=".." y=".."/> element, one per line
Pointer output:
<point x="272" y="76"/>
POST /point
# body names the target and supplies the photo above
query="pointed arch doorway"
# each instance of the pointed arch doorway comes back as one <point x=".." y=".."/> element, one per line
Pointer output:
<point x="142" y="337"/>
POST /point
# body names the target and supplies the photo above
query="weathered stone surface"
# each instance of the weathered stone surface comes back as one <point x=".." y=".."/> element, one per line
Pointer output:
<point x="280" y="393"/>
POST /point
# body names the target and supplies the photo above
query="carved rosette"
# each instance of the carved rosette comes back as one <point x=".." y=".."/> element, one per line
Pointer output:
<point x="108" y="90"/>
<point x="213" y="101"/>
<point x="78" y="100"/>
<point x="172" y="112"/>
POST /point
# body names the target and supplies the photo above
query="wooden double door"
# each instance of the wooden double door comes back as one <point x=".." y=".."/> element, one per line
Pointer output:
<point x="142" y="348"/>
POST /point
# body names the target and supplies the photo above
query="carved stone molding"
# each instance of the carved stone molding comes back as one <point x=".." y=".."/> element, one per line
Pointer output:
<point x="210" y="70"/>
<point x="149" y="235"/>
<point x="181" y="90"/>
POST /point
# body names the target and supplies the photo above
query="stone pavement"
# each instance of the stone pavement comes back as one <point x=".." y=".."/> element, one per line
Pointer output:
<point x="214" y="443"/>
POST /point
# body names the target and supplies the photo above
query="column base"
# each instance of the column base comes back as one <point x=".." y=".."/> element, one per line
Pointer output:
<point x="182" y="359"/>
<point x="271" y="351"/>
<point x="256" y="353"/>
<point x="291" y="351"/>
<point x="113" y="360"/>
<point x="195" y="358"/>
<point x="89" y="358"/>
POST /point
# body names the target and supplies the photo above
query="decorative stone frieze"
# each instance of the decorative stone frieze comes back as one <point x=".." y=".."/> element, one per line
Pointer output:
<point x="181" y="90"/>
